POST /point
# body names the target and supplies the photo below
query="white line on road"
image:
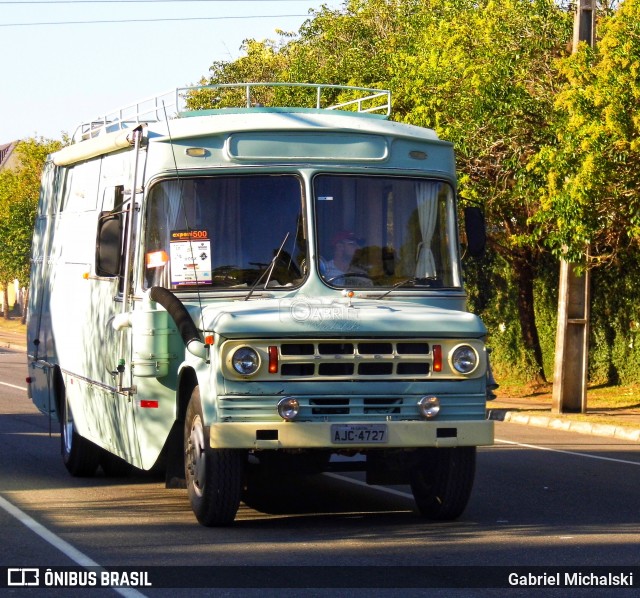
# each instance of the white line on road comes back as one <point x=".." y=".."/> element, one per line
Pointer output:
<point x="13" y="386"/>
<point x="343" y="478"/>
<point x="574" y="453"/>
<point x="531" y="446"/>
<point x="73" y="553"/>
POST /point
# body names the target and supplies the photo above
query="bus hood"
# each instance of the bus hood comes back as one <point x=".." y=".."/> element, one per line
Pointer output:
<point x="305" y="317"/>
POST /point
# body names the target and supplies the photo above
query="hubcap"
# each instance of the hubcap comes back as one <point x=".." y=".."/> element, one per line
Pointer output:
<point x="67" y="431"/>
<point x="195" y="456"/>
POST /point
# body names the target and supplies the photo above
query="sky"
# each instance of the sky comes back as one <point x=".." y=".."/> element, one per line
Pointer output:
<point x="59" y="69"/>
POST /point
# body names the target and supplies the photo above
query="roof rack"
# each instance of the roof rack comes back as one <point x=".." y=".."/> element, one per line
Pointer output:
<point x="193" y="100"/>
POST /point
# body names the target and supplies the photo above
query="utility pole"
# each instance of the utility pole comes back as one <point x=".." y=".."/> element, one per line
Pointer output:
<point x="572" y="338"/>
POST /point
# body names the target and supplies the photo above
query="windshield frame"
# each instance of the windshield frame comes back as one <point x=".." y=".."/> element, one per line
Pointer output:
<point x="404" y="281"/>
<point x="266" y="223"/>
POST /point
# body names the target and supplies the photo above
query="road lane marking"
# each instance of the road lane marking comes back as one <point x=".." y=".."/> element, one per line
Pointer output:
<point x="532" y="446"/>
<point x="13" y="386"/>
<point x="574" y="453"/>
<point x="67" y="549"/>
<point x="343" y="478"/>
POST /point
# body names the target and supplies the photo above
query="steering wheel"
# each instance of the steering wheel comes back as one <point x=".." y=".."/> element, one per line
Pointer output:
<point x="346" y="275"/>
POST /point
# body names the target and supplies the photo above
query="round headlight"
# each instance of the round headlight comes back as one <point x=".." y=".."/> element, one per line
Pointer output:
<point x="464" y="359"/>
<point x="245" y="361"/>
<point x="288" y="408"/>
<point x="429" y="407"/>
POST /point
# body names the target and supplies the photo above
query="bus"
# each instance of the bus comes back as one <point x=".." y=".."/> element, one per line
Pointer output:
<point x="233" y="283"/>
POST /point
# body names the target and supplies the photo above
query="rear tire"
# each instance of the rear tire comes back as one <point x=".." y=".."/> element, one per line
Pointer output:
<point x="80" y="456"/>
<point x="442" y="482"/>
<point x="214" y="476"/>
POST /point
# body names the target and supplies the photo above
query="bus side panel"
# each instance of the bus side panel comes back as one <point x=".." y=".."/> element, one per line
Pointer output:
<point x="83" y="306"/>
<point x="70" y="314"/>
<point x="40" y="345"/>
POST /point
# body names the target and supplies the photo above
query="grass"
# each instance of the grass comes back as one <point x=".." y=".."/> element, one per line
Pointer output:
<point x="617" y="405"/>
<point x="13" y="324"/>
<point x="599" y="396"/>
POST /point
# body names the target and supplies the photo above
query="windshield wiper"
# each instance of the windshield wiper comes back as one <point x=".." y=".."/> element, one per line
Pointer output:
<point x="268" y="271"/>
<point x="396" y="286"/>
<point x="425" y="280"/>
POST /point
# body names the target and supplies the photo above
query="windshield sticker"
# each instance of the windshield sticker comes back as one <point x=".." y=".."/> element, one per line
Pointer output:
<point x="190" y="257"/>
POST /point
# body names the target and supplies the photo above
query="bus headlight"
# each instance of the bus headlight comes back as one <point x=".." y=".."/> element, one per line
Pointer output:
<point x="288" y="408"/>
<point x="429" y="407"/>
<point x="245" y="361"/>
<point x="464" y="359"/>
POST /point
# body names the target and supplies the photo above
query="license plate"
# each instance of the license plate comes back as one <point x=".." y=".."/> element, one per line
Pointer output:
<point x="358" y="433"/>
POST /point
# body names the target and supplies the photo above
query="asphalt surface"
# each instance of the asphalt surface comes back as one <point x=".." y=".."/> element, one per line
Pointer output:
<point x="542" y="498"/>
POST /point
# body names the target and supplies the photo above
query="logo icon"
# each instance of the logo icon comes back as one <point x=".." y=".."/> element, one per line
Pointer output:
<point x="23" y="576"/>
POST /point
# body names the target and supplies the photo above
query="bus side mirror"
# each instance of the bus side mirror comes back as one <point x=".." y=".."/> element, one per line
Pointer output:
<point x="476" y="230"/>
<point x="109" y="244"/>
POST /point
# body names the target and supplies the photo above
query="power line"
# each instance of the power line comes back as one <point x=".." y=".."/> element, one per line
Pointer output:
<point x="127" y="1"/>
<point x="150" y="20"/>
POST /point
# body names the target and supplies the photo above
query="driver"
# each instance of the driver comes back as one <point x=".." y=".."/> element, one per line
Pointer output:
<point x="345" y="244"/>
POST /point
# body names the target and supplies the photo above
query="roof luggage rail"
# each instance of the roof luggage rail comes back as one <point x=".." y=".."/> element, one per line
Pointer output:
<point x="194" y="100"/>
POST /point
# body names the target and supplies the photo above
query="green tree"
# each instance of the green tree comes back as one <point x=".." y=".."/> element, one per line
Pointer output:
<point x="484" y="76"/>
<point x="591" y="201"/>
<point x="349" y="46"/>
<point x="263" y="62"/>
<point x="592" y="197"/>
<point x="19" y="191"/>
<point x="352" y="46"/>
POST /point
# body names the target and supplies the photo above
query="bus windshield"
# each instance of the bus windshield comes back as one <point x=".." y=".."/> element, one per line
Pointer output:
<point x="225" y="232"/>
<point x="385" y="231"/>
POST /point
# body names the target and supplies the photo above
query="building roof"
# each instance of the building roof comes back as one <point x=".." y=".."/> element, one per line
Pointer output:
<point x="7" y="157"/>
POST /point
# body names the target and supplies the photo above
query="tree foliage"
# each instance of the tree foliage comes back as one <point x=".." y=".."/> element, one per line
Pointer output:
<point x="484" y="75"/>
<point x="547" y="142"/>
<point x="19" y="191"/>
<point x="592" y="197"/>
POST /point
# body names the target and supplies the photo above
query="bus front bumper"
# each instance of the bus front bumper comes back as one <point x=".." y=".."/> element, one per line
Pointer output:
<point x="352" y="435"/>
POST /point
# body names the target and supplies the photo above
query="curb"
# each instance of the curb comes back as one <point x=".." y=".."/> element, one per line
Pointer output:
<point x="7" y="344"/>
<point x="566" y="425"/>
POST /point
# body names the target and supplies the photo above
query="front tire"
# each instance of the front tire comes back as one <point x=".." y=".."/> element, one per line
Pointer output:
<point x="442" y="482"/>
<point x="214" y="476"/>
<point x="80" y="456"/>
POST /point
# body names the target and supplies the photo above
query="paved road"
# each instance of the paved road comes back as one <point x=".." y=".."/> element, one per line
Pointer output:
<point x="542" y="498"/>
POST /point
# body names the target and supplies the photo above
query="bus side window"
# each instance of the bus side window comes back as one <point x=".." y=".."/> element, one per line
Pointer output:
<point x="109" y="238"/>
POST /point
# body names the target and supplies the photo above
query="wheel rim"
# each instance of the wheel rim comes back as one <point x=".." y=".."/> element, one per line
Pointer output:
<point x="196" y="456"/>
<point x="67" y="431"/>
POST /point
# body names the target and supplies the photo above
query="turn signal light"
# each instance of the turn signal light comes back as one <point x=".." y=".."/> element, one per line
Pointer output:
<point x="273" y="359"/>
<point x="437" y="358"/>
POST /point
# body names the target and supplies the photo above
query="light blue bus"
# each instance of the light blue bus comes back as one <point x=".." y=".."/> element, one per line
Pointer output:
<point x="241" y="292"/>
